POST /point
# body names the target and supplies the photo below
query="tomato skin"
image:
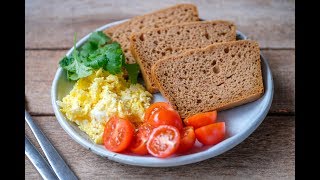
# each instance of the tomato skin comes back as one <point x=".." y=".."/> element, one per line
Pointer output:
<point x="166" y="117"/>
<point x="161" y="113"/>
<point x="139" y="143"/>
<point x="163" y="141"/>
<point x="201" y="119"/>
<point x="188" y="138"/>
<point x="154" y="107"/>
<point x="211" y="134"/>
<point x="118" y="134"/>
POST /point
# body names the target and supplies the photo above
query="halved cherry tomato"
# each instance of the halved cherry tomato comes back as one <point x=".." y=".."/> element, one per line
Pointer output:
<point x="161" y="113"/>
<point x="211" y="134"/>
<point x="118" y="134"/>
<point x="201" y="119"/>
<point x="139" y="143"/>
<point x="188" y="139"/>
<point x="163" y="141"/>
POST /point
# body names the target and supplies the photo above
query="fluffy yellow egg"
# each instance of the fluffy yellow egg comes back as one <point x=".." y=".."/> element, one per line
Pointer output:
<point x="94" y="99"/>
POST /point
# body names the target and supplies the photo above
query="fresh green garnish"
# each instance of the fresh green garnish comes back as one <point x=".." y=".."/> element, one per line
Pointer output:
<point x="96" y="40"/>
<point x="98" y="52"/>
<point x="74" y="66"/>
<point x="115" y="58"/>
<point x="133" y="72"/>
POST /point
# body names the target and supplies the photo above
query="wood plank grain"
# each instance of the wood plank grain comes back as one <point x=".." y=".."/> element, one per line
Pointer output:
<point x="282" y="65"/>
<point x="267" y="154"/>
<point x="52" y="25"/>
<point x="41" y="67"/>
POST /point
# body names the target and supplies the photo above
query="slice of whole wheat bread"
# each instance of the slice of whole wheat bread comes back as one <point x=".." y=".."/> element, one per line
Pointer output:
<point x="168" y="16"/>
<point x="153" y="44"/>
<point x="218" y="77"/>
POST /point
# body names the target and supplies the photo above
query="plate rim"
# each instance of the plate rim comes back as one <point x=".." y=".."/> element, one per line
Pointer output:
<point x="147" y="161"/>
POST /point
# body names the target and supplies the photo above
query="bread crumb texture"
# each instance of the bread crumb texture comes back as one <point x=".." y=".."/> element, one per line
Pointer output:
<point x="218" y="77"/>
<point x="168" y="16"/>
<point x="152" y="45"/>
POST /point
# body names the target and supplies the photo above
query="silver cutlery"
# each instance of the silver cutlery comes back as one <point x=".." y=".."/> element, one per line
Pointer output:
<point x="58" y="165"/>
<point x="38" y="161"/>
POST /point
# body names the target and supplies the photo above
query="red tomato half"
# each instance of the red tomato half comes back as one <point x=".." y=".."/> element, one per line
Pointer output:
<point x="201" y="119"/>
<point x="163" y="141"/>
<point x="188" y="139"/>
<point x="161" y="113"/>
<point x="139" y="143"/>
<point x="118" y="134"/>
<point x="211" y="134"/>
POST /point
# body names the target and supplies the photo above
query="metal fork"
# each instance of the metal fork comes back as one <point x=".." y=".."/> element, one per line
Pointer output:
<point x="58" y="165"/>
<point x="38" y="161"/>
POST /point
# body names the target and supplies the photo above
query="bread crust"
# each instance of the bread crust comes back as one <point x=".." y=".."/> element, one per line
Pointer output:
<point x="253" y="94"/>
<point x="121" y="32"/>
<point x="143" y="71"/>
<point x="141" y="47"/>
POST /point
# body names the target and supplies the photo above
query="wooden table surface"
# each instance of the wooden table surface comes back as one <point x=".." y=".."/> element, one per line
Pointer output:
<point x="268" y="153"/>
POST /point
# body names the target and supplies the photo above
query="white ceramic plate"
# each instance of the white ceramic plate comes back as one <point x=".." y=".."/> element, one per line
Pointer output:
<point x="240" y="121"/>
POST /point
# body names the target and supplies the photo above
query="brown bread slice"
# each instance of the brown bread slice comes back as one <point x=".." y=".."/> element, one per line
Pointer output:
<point x="151" y="45"/>
<point x="168" y="16"/>
<point x="218" y="77"/>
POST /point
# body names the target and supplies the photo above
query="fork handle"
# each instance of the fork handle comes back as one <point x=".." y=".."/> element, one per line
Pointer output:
<point x="57" y="163"/>
<point x="38" y="161"/>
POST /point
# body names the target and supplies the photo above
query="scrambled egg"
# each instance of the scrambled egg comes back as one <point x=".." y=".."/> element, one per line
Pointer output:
<point x="94" y="99"/>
